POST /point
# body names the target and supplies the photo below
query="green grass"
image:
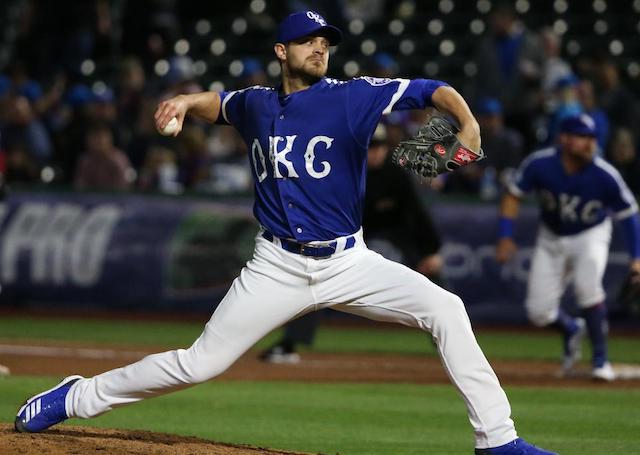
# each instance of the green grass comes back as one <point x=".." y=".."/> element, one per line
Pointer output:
<point x="538" y="345"/>
<point x="366" y="419"/>
<point x="363" y="419"/>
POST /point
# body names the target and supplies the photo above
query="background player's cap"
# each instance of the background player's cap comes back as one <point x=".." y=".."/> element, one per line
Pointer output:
<point x="305" y="23"/>
<point x="582" y="125"/>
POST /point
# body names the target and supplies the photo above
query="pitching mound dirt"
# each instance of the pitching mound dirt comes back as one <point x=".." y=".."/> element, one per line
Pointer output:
<point x="70" y="440"/>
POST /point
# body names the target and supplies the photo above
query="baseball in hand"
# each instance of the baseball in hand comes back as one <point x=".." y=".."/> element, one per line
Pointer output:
<point x="170" y="128"/>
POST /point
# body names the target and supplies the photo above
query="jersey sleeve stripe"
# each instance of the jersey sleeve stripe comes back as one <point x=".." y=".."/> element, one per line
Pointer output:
<point x="404" y="83"/>
<point x="626" y="213"/>
<point x="224" y="106"/>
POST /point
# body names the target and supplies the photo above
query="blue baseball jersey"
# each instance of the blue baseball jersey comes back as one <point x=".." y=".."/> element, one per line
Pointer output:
<point x="572" y="203"/>
<point x="308" y="150"/>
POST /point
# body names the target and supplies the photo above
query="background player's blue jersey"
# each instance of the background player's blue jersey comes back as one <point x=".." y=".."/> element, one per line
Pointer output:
<point x="572" y="203"/>
<point x="308" y="150"/>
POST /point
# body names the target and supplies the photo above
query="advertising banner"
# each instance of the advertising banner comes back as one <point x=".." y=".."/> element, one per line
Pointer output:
<point x="159" y="252"/>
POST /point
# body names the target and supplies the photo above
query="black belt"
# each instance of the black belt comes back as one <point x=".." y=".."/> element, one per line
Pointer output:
<point x="306" y="249"/>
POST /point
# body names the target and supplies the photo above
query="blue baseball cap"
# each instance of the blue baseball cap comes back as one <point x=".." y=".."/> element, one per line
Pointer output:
<point x="306" y="23"/>
<point x="581" y="125"/>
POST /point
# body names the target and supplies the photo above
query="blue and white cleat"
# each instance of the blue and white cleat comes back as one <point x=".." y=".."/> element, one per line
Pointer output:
<point x="45" y="409"/>
<point x="516" y="447"/>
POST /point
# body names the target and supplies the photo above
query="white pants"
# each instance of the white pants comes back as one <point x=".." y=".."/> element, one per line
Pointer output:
<point x="276" y="286"/>
<point x="558" y="261"/>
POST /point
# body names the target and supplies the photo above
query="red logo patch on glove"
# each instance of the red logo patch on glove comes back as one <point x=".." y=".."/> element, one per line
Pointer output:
<point x="464" y="156"/>
<point x="439" y="149"/>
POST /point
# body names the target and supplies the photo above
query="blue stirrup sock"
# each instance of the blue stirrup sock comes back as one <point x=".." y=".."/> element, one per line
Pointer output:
<point x="596" y="319"/>
<point x="567" y="325"/>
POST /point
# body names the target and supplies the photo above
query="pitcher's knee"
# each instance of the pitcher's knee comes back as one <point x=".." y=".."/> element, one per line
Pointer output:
<point x="450" y="310"/>
<point x="197" y="369"/>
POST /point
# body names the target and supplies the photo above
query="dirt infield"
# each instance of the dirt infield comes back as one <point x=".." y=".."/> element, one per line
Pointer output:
<point x="62" y="359"/>
<point x="82" y="441"/>
<point x="57" y="359"/>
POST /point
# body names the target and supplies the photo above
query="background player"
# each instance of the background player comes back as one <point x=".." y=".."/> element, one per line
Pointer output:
<point x="307" y="144"/>
<point x="395" y="224"/>
<point x="576" y="191"/>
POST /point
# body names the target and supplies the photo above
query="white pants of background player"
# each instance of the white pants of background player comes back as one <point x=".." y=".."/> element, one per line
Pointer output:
<point x="558" y="261"/>
<point x="276" y="286"/>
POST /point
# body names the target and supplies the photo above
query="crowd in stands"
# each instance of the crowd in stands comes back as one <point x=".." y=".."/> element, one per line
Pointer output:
<point x="80" y="80"/>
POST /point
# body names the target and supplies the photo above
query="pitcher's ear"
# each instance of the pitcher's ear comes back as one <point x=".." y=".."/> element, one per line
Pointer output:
<point x="280" y="51"/>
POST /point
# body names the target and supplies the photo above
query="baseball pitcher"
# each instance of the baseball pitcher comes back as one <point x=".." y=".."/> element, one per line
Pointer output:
<point x="577" y="191"/>
<point x="307" y="142"/>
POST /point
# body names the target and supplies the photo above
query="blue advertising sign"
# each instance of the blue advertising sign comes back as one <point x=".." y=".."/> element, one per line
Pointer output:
<point x="152" y="252"/>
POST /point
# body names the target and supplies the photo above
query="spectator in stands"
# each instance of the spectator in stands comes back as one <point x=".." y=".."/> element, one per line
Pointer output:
<point x="130" y="94"/>
<point x="20" y="167"/>
<point x="194" y="159"/>
<point x="102" y="165"/>
<point x="566" y="104"/>
<point x="252" y="73"/>
<point x="510" y="61"/>
<point x="588" y="101"/>
<point x="159" y="171"/>
<point x="616" y="100"/>
<point x="19" y="123"/>
<point x="623" y="154"/>
<point x="504" y="149"/>
<point x="554" y="67"/>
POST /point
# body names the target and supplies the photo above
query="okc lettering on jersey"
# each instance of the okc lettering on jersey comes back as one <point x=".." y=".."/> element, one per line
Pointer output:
<point x="279" y="157"/>
<point x="572" y="203"/>
<point x="567" y="207"/>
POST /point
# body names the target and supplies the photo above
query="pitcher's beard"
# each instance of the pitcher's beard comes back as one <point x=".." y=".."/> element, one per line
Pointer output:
<point x="309" y="77"/>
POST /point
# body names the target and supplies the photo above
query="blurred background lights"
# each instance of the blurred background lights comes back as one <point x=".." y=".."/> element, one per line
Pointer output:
<point x="435" y="26"/>
<point x="477" y="26"/>
<point x="235" y="68"/>
<point x="273" y="68"/>
<point x="560" y="6"/>
<point x="356" y="27"/>
<point x="218" y="46"/>
<point x="470" y="69"/>
<point x="181" y="47"/>
<point x="396" y="27"/>
<point x="431" y="69"/>
<point x="447" y="47"/>
<point x="351" y="68"/>
<point x="445" y="6"/>
<point x="616" y="47"/>
<point x="257" y="6"/>
<point x="239" y="26"/>
<point x="87" y="67"/>
<point x="216" y="86"/>
<point x="199" y="67"/>
<point x="203" y="27"/>
<point x="599" y="6"/>
<point x="407" y="47"/>
<point x="560" y="27"/>
<point x="522" y="6"/>
<point x="368" y="47"/>
<point x="161" y="67"/>
<point x="483" y="6"/>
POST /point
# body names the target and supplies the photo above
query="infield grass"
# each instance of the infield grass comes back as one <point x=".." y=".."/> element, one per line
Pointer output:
<point x="365" y="419"/>
<point x="513" y="344"/>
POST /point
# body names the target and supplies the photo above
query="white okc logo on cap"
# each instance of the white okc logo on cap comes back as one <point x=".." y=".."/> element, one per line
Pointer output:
<point x="316" y="17"/>
<point x="588" y="120"/>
